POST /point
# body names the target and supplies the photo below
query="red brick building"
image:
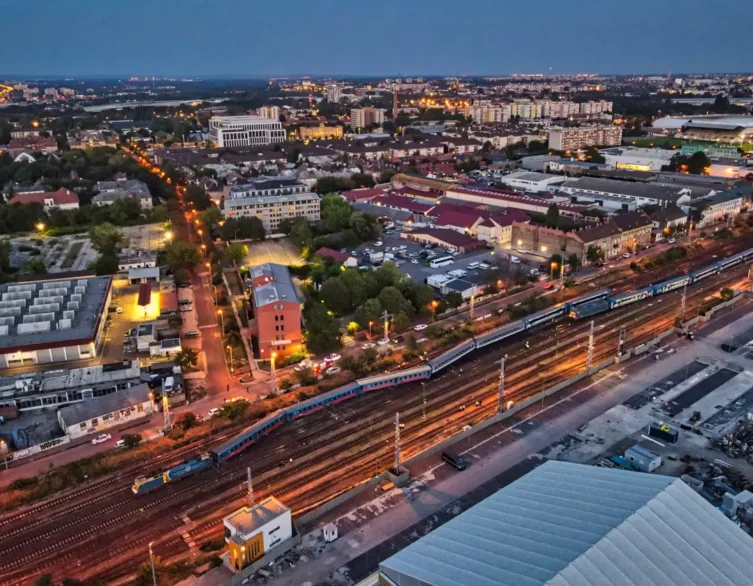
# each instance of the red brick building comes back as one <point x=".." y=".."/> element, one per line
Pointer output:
<point x="277" y="311"/>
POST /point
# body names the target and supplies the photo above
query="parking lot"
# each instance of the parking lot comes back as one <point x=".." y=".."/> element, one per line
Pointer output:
<point x="148" y="237"/>
<point x="275" y="251"/>
<point x="417" y="268"/>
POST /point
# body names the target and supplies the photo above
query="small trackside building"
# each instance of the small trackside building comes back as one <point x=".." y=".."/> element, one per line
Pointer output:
<point x="445" y="238"/>
<point x="277" y="311"/>
<point x="100" y="413"/>
<point x="252" y="532"/>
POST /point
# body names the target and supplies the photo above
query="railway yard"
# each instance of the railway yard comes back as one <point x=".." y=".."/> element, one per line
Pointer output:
<point x="102" y="529"/>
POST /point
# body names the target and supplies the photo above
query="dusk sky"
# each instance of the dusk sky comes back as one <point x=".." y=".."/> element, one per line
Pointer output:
<point x="389" y="37"/>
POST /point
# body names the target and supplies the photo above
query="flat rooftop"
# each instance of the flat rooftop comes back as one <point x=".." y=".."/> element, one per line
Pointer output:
<point x="249" y="520"/>
<point x="47" y="313"/>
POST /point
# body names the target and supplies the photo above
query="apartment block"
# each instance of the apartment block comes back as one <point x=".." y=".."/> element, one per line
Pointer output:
<point x="277" y="311"/>
<point x="365" y="117"/>
<point x="237" y="131"/>
<point x="272" y="200"/>
<point x="269" y="112"/>
<point x="569" y="139"/>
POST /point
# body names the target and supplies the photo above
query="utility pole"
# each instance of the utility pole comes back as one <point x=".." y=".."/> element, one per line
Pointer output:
<point x="473" y="303"/>
<point x="165" y="410"/>
<point x="501" y="406"/>
<point x="249" y="484"/>
<point x="423" y="400"/>
<point x="682" y="302"/>
<point x="589" y="359"/>
<point x="151" y="561"/>
<point x="397" y="443"/>
<point x="621" y="342"/>
<point x="386" y="325"/>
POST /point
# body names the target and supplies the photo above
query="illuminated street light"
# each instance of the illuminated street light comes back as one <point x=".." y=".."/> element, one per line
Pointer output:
<point x="40" y="226"/>
<point x="168" y="235"/>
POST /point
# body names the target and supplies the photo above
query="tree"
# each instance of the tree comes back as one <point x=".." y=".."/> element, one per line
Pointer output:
<point x="386" y="176"/>
<point x="175" y="321"/>
<point x="187" y="358"/>
<point x="726" y="294"/>
<point x="197" y="196"/>
<point x="35" y="266"/>
<point x="552" y="216"/>
<point x="401" y="322"/>
<point x="422" y="297"/>
<point x="285" y="226"/>
<point x="44" y="580"/>
<point x="160" y="214"/>
<point x="555" y="265"/>
<point x="106" y="239"/>
<point x="106" y="264"/>
<point x="4" y="254"/>
<point x="238" y="252"/>
<point x="293" y="156"/>
<point x="335" y="213"/>
<point x="356" y="285"/>
<point x="335" y="295"/>
<point x="182" y="255"/>
<point x="698" y="163"/>
<point x="185" y="421"/>
<point x="370" y="311"/>
<point x="594" y="254"/>
<point x="300" y="233"/>
<point x="365" y="226"/>
<point x="362" y="180"/>
<point x="574" y="262"/>
<point x="393" y="302"/>
<point x="594" y="156"/>
<point x="322" y="333"/>
<point x="211" y="216"/>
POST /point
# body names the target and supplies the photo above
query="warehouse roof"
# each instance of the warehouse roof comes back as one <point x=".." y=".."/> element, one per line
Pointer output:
<point x="566" y="524"/>
<point x="98" y="406"/>
<point x="640" y="190"/>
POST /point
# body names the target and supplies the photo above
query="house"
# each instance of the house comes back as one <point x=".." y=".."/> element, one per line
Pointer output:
<point x="277" y="311"/>
<point x="667" y="220"/>
<point x="635" y="228"/>
<point x="347" y="260"/>
<point x="447" y="239"/>
<point x="111" y="191"/>
<point x="31" y="144"/>
<point x="365" y="194"/>
<point x="719" y="207"/>
<point x="465" y="288"/>
<point x="396" y="216"/>
<point x="24" y="157"/>
<point x="606" y="238"/>
<point x="63" y="199"/>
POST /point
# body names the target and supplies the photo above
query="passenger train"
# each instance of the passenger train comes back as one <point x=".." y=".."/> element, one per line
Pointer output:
<point x="587" y="305"/>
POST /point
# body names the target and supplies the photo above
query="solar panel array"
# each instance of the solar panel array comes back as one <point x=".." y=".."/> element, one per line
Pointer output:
<point x="40" y="307"/>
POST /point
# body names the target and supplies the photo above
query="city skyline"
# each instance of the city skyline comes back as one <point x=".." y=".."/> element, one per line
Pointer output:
<point x="483" y="39"/>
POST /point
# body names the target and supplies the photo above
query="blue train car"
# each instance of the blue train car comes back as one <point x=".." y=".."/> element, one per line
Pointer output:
<point x="733" y="260"/>
<point x="671" y="284"/>
<point x="247" y="437"/>
<point x="453" y="354"/>
<point x="583" y="300"/>
<point x="188" y="468"/>
<point x="545" y="315"/>
<point x="705" y="272"/>
<point x="628" y="298"/>
<point x="330" y="398"/>
<point x="748" y="254"/>
<point x="498" y="334"/>
<point x="145" y="484"/>
<point x="393" y="379"/>
<point x="588" y="309"/>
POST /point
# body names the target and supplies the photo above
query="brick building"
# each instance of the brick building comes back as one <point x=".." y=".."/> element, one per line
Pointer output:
<point x="277" y="311"/>
<point x="635" y="228"/>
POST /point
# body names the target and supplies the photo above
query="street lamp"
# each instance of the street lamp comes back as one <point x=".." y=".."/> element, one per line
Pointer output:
<point x="274" y="377"/>
<point x="434" y="305"/>
<point x="168" y="236"/>
<point x="4" y="449"/>
<point x="40" y="226"/>
<point x="230" y="351"/>
<point x="222" y="322"/>
<point x="371" y="323"/>
<point x="151" y="561"/>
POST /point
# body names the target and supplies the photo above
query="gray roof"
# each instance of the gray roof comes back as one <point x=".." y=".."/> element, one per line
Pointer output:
<point x="135" y="187"/>
<point x="644" y="190"/>
<point x="278" y="285"/>
<point x="383" y="211"/>
<point x="566" y="524"/>
<point x="83" y="324"/>
<point x="98" y="406"/>
<point x="246" y="521"/>
<point x="235" y="202"/>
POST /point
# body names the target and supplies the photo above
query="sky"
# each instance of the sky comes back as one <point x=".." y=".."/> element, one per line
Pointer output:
<point x="115" y="38"/>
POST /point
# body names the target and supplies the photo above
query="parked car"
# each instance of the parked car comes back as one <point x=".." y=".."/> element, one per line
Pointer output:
<point x="367" y="345"/>
<point x="414" y="261"/>
<point x="378" y="243"/>
<point x="101" y="438"/>
<point x="186" y="308"/>
<point x="192" y="334"/>
<point x="671" y="240"/>
<point x="383" y="342"/>
<point x="334" y="357"/>
<point x="119" y="444"/>
<point x="213" y="411"/>
<point x="333" y="370"/>
<point x="626" y="255"/>
<point x="420" y="327"/>
<point x="514" y="260"/>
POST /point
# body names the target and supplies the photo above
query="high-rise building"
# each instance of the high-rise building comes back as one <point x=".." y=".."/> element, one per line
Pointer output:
<point x="569" y="139"/>
<point x="269" y="112"/>
<point x="236" y="131"/>
<point x="334" y="93"/>
<point x="365" y="117"/>
<point x="485" y="112"/>
<point x="595" y="107"/>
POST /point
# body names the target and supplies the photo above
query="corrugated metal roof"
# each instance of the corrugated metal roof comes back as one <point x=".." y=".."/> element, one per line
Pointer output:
<point x="567" y="524"/>
<point x="98" y="406"/>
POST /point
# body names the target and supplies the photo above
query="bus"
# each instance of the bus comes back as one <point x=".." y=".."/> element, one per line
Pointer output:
<point x="441" y="261"/>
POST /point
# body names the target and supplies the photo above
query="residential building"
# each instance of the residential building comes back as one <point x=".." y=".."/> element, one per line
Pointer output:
<point x="363" y="194"/>
<point x="642" y="193"/>
<point x="365" y="117"/>
<point x="529" y="182"/>
<point x="87" y="139"/>
<point x="570" y="139"/>
<point x="667" y="221"/>
<point x="498" y="199"/>
<point x="32" y="144"/>
<point x="345" y="259"/>
<point x="636" y="158"/>
<point x="238" y="131"/>
<point x="277" y="311"/>
<point x="718" y="208"/>
<point x="62" y="199"/>
<point x="42" y="390"/>
<point x="334" y="93"/>
<point x="321" y="131"/>
<point x="58" y="319"/>
<point x="272" y="200"/>
<point x="269" y="112"/>
<point x="486" y="112"/>
<point x="463" y="145"/>
<point x="635" y="230"/>
<point x="101" y="413"/>
<point x="253" y="532"/>
<point x="110" y="191"/>
<point x="400" y="217"/>
<point x="525" y="110"/>
<point x="447" y="239"/>
<point x="597" y="107"/>
<point x="566" y="524"/>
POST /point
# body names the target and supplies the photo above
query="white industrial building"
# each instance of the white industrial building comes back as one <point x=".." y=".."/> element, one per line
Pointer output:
<point x="101" y="413"/>
<point x="566" y="524"/>
<point x="252" y="532"/>
<point x="636" y="158"/>
<point x="237" y="131"/>
<point x="530" y="182"/>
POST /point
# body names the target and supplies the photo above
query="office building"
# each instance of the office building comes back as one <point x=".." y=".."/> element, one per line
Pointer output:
<point x="272" y="200"/>
<point x="52" y="319"/>
<point x="277" y="310"/>
<point x="570" y="139"/>
<point x="269" y="112"/>
<point x="365" y="117"/>
<point x="238" y="131"/>
<point x="566" y="524"/>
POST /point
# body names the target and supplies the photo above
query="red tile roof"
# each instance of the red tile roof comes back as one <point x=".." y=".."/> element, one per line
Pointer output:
<point x="403" y="203"/>
<point x="61" y="197"/>
<point x="333" y="254"/>
<point x="450" y="237"/>
<point x="362" y="194"/>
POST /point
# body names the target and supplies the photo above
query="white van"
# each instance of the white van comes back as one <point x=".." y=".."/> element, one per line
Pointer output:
<point x="515" y="260"/>
<point x="483" y="266"/>
<point x="473" y="266"/>
<point x="168" y="385"/>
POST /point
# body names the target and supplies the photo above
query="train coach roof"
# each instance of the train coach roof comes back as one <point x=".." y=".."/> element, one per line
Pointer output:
<point x="381" y="377"/>
<point x="231" y="442"/>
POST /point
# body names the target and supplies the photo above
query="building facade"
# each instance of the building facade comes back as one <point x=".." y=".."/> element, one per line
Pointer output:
<point x="319" y="132"/>
<point x="272" y="200"/>
<point x="277" y="311"/>
<point x="570" y="139"/>
<point x="251" y="532"/>
<point x="237" y="131"/>
<point x="365" y="117"/>
<point x="269" y="112"/>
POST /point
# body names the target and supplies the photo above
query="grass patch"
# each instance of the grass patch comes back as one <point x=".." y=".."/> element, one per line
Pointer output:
<point x="72" y="255"/>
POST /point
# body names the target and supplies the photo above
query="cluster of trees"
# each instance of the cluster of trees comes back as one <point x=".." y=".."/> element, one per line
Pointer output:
<point x="107" y="240"/>
<point x="695" y="164"/>
<point x="241" y="228"/>
<point x="330" y="184"/>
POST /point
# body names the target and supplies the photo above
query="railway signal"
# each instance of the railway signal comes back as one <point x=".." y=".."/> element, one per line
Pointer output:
<point x="621" y="342"/>
<point x="501" y="406"/>
<point x="682" y="302"/>
<point x="590" y="357"/>
<point x="250" y="486"/>
<point x="397" y="443"/>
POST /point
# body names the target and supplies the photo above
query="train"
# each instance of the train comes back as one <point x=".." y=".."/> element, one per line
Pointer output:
<point x="578" y="308"/>
<point x="145" y="484"/>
